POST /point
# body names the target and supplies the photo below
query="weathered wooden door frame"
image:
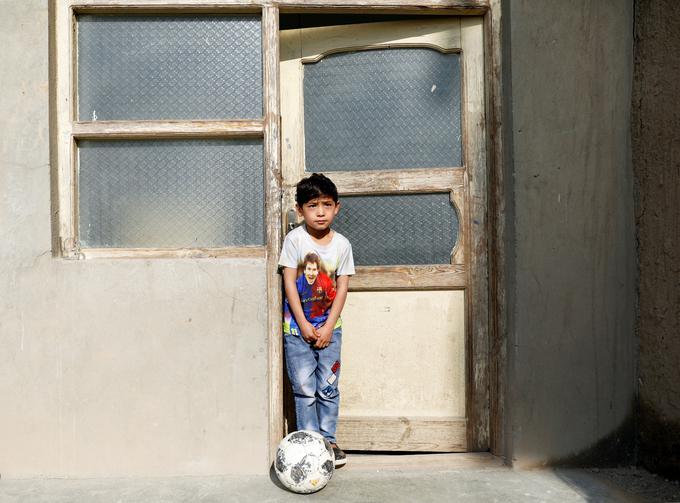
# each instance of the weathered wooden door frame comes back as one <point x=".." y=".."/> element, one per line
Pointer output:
<point x="489" y="436"/>
<point x="465" y="185"/>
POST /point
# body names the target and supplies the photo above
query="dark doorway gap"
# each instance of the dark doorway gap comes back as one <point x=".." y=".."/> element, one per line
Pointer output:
<point x="293" y="21"/>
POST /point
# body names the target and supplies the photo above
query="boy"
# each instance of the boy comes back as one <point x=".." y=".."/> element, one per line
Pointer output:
<point x="313" y="258"/>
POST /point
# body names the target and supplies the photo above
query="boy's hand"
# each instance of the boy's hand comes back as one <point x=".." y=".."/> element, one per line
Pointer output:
<point x="309" y="333"/>
<point x="324" y="334"/>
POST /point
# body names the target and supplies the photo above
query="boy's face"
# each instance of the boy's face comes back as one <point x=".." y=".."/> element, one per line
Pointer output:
<point x="319" y="212"/>
<point x="311" y="272"/>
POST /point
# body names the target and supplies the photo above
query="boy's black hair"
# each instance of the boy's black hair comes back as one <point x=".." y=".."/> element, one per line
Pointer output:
<point x="314" y="186"/>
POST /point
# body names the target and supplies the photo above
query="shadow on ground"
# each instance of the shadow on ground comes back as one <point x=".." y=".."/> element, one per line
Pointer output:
<point x="629" y="484"/>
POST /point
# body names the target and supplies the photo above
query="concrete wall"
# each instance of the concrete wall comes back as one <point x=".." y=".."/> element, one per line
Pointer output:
<point x="572" y="245"/>
<point x="158" y="367"/>
<point x="656" y="154"/>
<point x="113" y="368"/>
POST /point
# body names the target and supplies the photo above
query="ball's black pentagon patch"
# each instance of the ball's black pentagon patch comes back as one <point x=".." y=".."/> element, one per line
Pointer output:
<point x="299" y="437"/>
<point x="280" y="460"/>
<point x="327" y="467"/>
<point x="298" y="473"/>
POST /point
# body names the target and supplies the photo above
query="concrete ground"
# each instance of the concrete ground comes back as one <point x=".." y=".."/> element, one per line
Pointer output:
<point x="392" y="479"/>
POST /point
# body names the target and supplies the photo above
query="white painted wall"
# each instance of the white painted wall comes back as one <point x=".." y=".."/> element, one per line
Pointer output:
<point x="113" y="368"/>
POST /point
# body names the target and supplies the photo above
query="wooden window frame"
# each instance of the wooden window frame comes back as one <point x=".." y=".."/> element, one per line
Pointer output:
<point x="69" y="129"/>
<point x="416" y="181"/>
<point x="66" y="130"/>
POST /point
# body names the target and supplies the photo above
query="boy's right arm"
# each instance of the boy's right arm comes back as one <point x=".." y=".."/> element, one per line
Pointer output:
<point x="308" y="331"/>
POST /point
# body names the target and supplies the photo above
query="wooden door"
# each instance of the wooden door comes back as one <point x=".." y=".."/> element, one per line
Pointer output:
<point x="393" y="113"/>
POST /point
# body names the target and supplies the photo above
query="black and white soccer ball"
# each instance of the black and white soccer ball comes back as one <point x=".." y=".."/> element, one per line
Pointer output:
<point x="304" y="461"/>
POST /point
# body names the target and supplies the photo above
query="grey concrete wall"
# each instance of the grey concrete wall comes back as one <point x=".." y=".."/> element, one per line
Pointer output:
<point x="656" y="155"/>
<point x="158" y="367"/>
<point x="113" y="368"/>
<point x="572" y="246"/>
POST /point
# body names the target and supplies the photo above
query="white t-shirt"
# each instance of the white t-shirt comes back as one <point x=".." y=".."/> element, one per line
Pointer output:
<point x="317" y="266"/>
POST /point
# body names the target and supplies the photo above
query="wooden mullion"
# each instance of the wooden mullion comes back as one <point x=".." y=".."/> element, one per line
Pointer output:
<point x="164" y="6"/>
<point x="477" y="387"/>
<point x="497" y="303"/>
<point x="167" y="129"/>
<point x="273" y="218"/>
<point x="413" y="277"/>
<point x="398" y="181"/>
<point x="63" y="154"/>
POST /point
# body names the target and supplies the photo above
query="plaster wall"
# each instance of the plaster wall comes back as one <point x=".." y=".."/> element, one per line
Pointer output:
<point x="113" y="367"/>
<point x="158" y="367"/>
<point x="571" y="282"/>
<point x="656" y="154"/>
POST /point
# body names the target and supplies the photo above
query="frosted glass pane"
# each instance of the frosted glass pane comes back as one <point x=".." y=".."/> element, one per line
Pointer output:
<point x="408" y="229"/>
<point x="171" y="193"/>
<point x="169" y="67"/>
<point x="383" y="109"/>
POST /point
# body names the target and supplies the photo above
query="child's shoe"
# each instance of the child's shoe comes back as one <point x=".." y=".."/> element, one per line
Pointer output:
<point x="340" y="458"/>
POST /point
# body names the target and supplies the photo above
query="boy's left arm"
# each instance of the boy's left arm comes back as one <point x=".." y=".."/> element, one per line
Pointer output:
<point x="325" y="332"/>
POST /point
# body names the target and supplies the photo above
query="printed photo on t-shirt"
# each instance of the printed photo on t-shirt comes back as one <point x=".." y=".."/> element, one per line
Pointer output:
<point x="316" y="270"/>
<point x="316" y="288"/>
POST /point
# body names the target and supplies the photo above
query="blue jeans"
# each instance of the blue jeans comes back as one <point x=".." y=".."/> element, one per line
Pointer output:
<point x="314" y="375"/>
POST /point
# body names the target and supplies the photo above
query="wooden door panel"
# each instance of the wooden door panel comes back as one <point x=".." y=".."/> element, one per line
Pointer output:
<point x="403" y="368"/>
<point x="403" y="433"/>
<point x="431" y="277"/>
<point x="405" y="354"/>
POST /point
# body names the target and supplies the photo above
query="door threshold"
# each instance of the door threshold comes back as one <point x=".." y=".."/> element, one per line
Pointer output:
<point x="400" y="461"/>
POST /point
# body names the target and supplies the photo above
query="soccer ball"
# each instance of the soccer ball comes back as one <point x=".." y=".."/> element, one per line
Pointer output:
<point x="304" y="462"/>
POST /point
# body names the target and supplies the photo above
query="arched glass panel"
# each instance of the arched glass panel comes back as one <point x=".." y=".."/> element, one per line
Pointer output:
<point x="383" y="109"/>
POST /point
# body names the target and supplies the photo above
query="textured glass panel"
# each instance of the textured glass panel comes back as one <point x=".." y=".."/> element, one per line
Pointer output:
<point x="383" y="109"/>
<point x="171" y="193"/>
<point x="169" y="67"/>
<point x="407" y="229"/>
